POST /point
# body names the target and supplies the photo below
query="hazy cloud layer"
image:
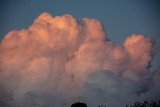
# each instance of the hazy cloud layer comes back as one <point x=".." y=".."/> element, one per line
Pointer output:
<point x="59" y="60"/>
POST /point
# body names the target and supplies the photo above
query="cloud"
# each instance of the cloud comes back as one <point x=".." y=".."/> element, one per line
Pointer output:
<point x="59" y="60"/>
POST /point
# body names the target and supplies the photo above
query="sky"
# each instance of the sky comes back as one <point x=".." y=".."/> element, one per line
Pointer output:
<point x="101" y="48"/>
<point x="120" y="18"/>
<point x="117" y="16"/>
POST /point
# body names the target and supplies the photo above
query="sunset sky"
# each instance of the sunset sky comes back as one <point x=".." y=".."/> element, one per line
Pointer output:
<point x="57" y="52"/>
<point x="120" y="18"/>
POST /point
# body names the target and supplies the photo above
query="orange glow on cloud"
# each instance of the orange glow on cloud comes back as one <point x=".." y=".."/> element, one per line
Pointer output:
<point x="55" y="56"/>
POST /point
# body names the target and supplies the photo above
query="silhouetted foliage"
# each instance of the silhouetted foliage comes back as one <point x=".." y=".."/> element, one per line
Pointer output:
<point x="102" y="105"/>
<point x="79" y="104"/>
<point x="145" y="104"/>
<point x="136" y="104"/>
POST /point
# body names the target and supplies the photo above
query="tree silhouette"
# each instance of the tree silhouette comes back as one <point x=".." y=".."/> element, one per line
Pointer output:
<point x="79" y="104"/>
<point x="145" y="104"/>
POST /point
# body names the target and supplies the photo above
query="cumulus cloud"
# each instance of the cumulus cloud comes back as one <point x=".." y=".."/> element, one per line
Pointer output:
<point x="59" y="60"/>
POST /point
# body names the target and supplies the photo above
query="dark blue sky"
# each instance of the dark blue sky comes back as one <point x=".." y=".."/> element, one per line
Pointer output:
<point x="119" y="17"/>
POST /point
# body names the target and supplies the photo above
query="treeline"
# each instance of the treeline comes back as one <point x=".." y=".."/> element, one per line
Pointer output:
<point x="145" y="104"/>
<point x="140" y="104"/>
<point x="136" y="104"/>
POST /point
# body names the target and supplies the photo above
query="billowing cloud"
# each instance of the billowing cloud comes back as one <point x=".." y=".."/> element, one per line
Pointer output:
<point x="59" y="60"/>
